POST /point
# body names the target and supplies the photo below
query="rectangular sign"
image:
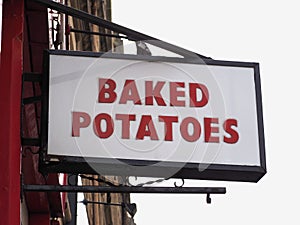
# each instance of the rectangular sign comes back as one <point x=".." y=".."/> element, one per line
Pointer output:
<point x="152" y="116"/>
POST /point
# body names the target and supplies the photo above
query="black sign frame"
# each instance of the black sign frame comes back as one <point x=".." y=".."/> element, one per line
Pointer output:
<point x="76" y="165"/>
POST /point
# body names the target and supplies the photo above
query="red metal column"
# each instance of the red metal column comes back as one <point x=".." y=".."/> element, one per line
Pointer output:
<point x="39" y="219"/>
<point x="10" y="103"/>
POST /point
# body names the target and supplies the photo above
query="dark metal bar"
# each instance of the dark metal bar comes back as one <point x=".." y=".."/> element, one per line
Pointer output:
<point x="67" y="34"/>
<point x="73" y="200"/>
<point x="85" y="202"/>
<point x="30" y="141"/>
<point x="131" y="34"/>
<point x="99" y="179"/>
<point x="122" y="189"/>
<point x="93" y="19"/>
<point x="98" y="33"/>
<point x="31" y="100"/>
<point x="123" y="210"/>
<point x="32" y="77"/>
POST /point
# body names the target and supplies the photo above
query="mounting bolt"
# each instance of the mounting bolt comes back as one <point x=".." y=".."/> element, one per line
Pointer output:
<point x="208" y="199"/>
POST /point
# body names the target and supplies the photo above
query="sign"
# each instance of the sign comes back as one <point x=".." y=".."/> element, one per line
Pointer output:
<point x="152" y="116"/>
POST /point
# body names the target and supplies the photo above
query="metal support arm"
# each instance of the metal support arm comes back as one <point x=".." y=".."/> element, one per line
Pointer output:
<point x="126" y="189"/>
<point x="131" y="34"/>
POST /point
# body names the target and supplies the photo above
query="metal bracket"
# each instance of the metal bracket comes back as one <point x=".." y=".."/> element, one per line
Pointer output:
<point x="126" y="189"/>
<point x="31" y="100"/>
<point x="33" y="78"/>
<point x="100" y="180"/>
<point x="131" y="34"/>
<point x="98" y="33"/>
<point x="30" y="141"/>
<point x="175" y="184"/>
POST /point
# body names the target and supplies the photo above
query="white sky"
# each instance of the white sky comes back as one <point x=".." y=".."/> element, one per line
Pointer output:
<point x="261" y="31"/>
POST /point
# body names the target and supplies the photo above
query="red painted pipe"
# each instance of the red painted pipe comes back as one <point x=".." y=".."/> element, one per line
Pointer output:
<point x="10" y="96"/>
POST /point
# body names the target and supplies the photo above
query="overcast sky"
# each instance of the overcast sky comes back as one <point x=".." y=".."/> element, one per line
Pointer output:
<point x="257" y="31"/>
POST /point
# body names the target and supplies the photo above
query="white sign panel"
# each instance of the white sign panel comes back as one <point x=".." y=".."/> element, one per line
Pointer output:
<point x="164" y="111"/>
